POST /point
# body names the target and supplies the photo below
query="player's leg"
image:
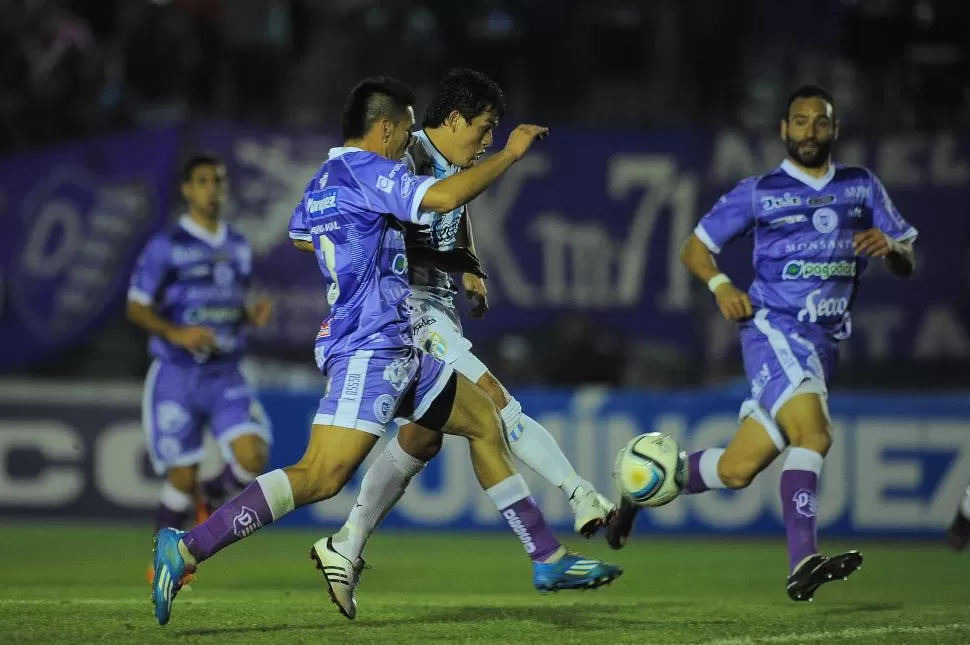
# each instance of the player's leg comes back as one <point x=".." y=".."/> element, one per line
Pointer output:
<point x="756" y="444"/>
<point x="805" y="421"/>
<point x="384" y="483"/>
<point x="243" y="431"/>
<point x="959" y="534"/>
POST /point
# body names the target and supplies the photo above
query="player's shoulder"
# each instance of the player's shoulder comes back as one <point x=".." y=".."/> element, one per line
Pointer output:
<point x="421" y="156"/>
<point x="851" y="172"/>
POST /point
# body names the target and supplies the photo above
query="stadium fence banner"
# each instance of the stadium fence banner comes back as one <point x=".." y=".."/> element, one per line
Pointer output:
<point x="589" y="223"/>
<point x="898" y="466"/>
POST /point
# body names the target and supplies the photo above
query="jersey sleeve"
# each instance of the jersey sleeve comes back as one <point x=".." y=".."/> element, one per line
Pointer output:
<point x="150" y="270"/>
<point x="392" y="188"/>
<point x="731" y="217"/>
<point x="298" y="225"/>
<point x="885" y="216"/>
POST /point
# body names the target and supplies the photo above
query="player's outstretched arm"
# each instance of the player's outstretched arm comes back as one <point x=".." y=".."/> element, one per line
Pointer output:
<point x="457" y="190"/>
<point x="733" y="302"/>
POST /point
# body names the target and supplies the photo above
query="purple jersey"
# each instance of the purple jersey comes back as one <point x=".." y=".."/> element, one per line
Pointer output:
<point x="193" y="277"/>
<point x="352" y="210"/>
<point x="803" y="227"/>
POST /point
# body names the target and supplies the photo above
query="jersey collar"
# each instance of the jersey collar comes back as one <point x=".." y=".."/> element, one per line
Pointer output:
<point x="818" y="183"/>
<point x="193" y="228"/>
<point x="342" y="150"/>
<point x="436" y="156"/>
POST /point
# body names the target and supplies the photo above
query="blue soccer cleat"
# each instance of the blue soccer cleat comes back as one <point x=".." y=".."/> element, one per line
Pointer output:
<point x="573" y="571"/>
<point x="170" y="568"/>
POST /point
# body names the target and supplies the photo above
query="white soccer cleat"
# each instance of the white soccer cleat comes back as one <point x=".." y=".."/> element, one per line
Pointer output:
<point x="341" y="575"/>
<point x="592" y="511"/>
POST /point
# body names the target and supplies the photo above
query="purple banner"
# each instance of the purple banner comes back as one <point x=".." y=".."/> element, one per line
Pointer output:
<point x="71" y="223"/>
<point x="589" y="224"/>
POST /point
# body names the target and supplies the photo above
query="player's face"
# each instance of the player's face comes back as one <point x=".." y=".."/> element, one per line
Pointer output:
<point x="472" y="138"/>
<point x="205" y="191"/>
<point x="399" y="135"/>
<point x="809" y="131"/>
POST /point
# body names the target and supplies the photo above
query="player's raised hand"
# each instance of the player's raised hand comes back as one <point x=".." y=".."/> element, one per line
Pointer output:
<point x="873" y="243"/>
<point x="259" y="312"/>
<point x="194" y="339"/>
<point x="733" y="303"/>
<point x="522" y="137"/>
<point x="476" y="290"/>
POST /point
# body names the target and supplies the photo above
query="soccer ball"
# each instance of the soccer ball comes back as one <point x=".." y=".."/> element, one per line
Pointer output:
<point x="650" y="470"/>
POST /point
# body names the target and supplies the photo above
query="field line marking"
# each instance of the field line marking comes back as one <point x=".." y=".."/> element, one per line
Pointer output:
<point x="839" y="634"/>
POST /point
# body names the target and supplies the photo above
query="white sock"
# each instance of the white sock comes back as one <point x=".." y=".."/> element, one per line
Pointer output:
<point x="278" y="492"/>
<point x="536" y="448"/>
<point x="965" y="505"/>
<point x="708" y="468"/>
<point x="383" y="484"/>
<point x="175" y="499"/>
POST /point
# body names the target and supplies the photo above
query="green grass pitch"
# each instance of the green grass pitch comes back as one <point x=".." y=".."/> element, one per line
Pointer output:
<point x="71" y="584"/>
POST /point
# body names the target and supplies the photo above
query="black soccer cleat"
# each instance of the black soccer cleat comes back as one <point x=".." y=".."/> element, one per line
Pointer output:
<point x="818" y="570"/>
<point x="621" y="524"/>
<point x="959" y="534"/>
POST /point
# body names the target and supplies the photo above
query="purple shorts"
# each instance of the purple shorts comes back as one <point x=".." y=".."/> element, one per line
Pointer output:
<point x="369" y="389"/>
<point x="782" y="355"/>
<point x="181" y="400"/>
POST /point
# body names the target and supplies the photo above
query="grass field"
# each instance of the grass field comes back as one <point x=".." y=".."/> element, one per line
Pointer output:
<point x="65" y="584"/>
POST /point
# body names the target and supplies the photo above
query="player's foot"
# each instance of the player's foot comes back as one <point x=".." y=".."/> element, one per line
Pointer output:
<point x="573" y="571"/>
<point x="341" y="575"/>
<point x="592" y="511"/>
<point x="169" y="568"/>
<point x="959" y="534"/>
<point x="621" y="524"/>
<point x="815" y="571"/>
<point x="186" y="579"/>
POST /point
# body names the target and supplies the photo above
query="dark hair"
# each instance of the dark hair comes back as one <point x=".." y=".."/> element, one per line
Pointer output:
<point x="373" y="99"/>
<point x="198" y="160"/>
<point x="808" y="92"/>
<point x="466" y="90"/>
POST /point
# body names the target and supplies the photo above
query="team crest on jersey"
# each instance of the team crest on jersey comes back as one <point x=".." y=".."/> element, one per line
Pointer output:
<point x="171" y="417"/>
<point x="436" y="346"/>
<point x="385" y="184"/>
<point x="825" y="220"/>
<point x="384" y="408"/>
<point x="400" y="264"/>
<point x="222" y="274"/>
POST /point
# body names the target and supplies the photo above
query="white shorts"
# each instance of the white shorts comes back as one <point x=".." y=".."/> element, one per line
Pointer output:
<point x="437" y="331"/>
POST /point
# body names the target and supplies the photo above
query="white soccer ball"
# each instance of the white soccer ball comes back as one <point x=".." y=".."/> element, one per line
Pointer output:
<point x="650" y="470"/>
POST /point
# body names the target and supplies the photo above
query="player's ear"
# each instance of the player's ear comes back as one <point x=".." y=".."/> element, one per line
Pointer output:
<point x="184" y="189"/>
<point x="783" y="128"/>
<point x="454" y="118"/>
<point x="835" y="130"/>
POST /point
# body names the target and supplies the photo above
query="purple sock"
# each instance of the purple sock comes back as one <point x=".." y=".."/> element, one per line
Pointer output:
<point x="702" y="471"/>
<point x="519" y="509"/>
<point x="166" y="516"/>
<point x="238" y="518"/>
<point x="223" y="485"/>
<point x="799" y="488"/>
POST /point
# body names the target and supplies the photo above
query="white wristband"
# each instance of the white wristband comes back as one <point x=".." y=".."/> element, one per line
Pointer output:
<point x="717" y="281"/>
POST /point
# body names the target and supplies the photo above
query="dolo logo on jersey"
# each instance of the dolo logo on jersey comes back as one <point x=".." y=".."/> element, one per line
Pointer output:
<point x="772" y="202"/>
<point x="816" y="307"/>
<point x="800" y="269"/>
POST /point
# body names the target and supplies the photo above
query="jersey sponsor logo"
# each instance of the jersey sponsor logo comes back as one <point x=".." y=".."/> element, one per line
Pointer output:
<point x="197" y="271"/>
<point x="819" y="245"/>
<point x="856" y="192"/>
<point x="385" y="184"/>
<point x="324" y="330"/>
<point x="816" y="307"/>
<point x="407" y="185"/>
<point x="787" y="219"/>
<point x="188" y="255"/>
<point x="326" y="202"/>
<point x="824" y="200"/>
<point x="518" y="527"/>
<point x="825" y="220"/>
<point x="384" y="408"/>
<point x="424" y="322"/>
<point x="322" y="182"/>
<point x="212" y="315"/>
<point x="326" y="227"/>
<point x="772" y="202"/>
<point x="800" y="269"/>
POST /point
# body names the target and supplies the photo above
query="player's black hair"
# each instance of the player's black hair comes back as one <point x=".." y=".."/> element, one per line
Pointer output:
<point x="373" y="99"/>
<point x="198" y="160"/>
<point x="808" y="92"/>
<point x="466" y="90"/>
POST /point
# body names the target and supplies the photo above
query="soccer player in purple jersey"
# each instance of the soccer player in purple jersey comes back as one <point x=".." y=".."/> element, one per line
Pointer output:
<point x="959" y="533"/>
<point x="458" y="128"/>
<point x="353" y="210"/>
<point x="189" y="291"/>
<point x="816" y="225"/>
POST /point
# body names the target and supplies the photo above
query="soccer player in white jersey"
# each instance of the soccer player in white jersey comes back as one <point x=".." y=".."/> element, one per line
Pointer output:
<point x="816" y="225"/>
<point x="458" y="127"/>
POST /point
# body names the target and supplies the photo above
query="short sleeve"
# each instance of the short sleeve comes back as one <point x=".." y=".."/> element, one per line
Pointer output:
<point x="150" y="270"/>
<point x="885" y="216"/>
<point x="298" y="225"/>
<point x="731" y="217"/>
<point x="392" y="188"/>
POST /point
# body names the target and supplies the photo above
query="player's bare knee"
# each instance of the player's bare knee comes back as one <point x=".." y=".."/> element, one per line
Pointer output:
<point x="474" y="415"/>
<point x="419" y="442"/>
<point x="184" y="478"/>
<point x="495" y="390"/>
<point x="250" y="453"/>
<point x="315" y="480"/>
<point x="736" y="473"/>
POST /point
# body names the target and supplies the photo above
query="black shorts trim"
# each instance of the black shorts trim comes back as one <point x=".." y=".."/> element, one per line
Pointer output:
<point x="440" y="409"/>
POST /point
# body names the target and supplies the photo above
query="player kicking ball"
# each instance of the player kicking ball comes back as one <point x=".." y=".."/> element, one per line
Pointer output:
<point x="458" y="128"/>
<point x="816" y="225"/>
<point x="354" y="209"/>
<point x="189" y="291"/>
